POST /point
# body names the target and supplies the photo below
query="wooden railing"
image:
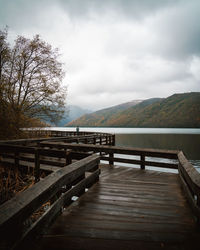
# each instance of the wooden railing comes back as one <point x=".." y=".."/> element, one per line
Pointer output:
<point x="92" y="138"/>
<point x="190" y="180"/>
<point x="56" y="133"/>
<point x="20" y="157"/>
<point x="108" y="154"/>
<point x="189" y="176"/>
<point x="59" y="187"/>
<point x="79" y="148"/>
<point x="53" y="133"/>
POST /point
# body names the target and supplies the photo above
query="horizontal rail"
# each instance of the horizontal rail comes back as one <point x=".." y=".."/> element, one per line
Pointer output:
<point x="138" y="162"/>
<point x="169" y="154"/>
<point x="15" y="211"/>
<point x="93" y="138"/>
<point x="111" y="150"/>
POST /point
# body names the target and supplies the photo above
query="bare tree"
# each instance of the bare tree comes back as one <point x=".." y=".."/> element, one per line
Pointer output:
<point x="30" y="80"/>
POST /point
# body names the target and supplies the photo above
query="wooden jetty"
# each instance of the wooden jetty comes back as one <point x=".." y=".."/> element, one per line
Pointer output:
<point x="96" y="204"/>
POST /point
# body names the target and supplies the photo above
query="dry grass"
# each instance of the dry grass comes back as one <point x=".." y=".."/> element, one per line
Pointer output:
<point x="12" y="182"/>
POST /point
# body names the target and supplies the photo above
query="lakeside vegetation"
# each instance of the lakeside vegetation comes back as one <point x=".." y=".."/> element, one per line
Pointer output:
<point x="30" y="84"/>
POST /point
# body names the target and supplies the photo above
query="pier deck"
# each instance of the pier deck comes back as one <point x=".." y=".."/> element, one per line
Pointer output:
<point x="122" y="208"/>
<point x="128" y="208"/>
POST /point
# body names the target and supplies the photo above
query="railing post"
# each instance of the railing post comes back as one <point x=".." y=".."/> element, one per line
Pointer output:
<point x="142" y="162"/>
<point x="111" y="162"/>
<point x="37" y="166"/>
<point x="94" y="140"/>
<point x="113" y="140"/>
<point x="68" y="158"/>
<point x="100" y="140"/>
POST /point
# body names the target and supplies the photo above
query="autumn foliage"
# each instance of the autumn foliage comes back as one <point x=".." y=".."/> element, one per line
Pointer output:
<point x="30" y="84"/>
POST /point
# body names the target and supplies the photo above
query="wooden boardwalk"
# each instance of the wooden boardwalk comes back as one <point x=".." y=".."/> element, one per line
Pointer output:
<point x="127" y="209"/>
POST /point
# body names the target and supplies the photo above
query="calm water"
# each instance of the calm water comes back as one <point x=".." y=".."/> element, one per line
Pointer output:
<point x="187" y="140"/>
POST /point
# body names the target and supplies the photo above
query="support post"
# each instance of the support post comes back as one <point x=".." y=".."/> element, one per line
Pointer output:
<point x="113" y="140"/>
<point x="111" y="162"/>
<point x="100" y="140"/>
<point x="142" y="162"/>
<point x="68" y="158"/>
<point x="106" y="140"/>
<point x="37" y="166"/>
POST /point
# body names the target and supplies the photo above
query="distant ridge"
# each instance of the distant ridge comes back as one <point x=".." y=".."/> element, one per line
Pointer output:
<point x="103" y="115"/>
<point x="71" y="113"/>
<point x="178" y="110"/>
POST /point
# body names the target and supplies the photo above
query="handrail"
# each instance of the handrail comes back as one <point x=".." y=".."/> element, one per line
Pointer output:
<point x="57" y="133"/>
<point x="111" y="150"/>
<point x="12" y="154"/>
<point x="15" y="211"/>
<point x="190" y="180"/>
<point x="74" y="138"/>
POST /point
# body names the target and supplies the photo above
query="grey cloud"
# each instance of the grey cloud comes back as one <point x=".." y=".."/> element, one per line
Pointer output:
<point x="116" y="50"/>
<point x="129" y="8"/>
<point x="178" y="29"/>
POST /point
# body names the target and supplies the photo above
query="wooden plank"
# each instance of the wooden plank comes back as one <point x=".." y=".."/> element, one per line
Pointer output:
<point x="129" y="205"/>
<point x="20" y="207"/>
<point x="190" y="198"/>
<point x="5" y="148"/>
<point x="56" y="208"/>
<point x="190" y="173"/>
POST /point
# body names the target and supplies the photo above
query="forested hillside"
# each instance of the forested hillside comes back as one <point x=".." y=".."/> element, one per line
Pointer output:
<point x="178" y="110"/>
<point x="101" y="117"/>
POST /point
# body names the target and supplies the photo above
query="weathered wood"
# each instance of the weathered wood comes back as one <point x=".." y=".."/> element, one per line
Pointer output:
<point x="5" y="148"/>
<point x="190" y="179"/>
<point x="100" y="140"/>
<point x="79" y="155"/>
<point x="120" y="150"/>
<point x="118" y="212"/>
<point x="25" y="166"/>
<point x="142" y="165"/>
<point x="111" y="157"/>
<point x="118" y="194"/>
<point x="169" y="154"/>
<point x="113" y="140"/>
<point x="68" y="159"/>
<point x="37" y="166"/>
<point x="190" y="198"/>
<point x="65" y="136"/>
<point x="190" y="174"/>
<point x="20" y="207"/>
<point x="55" y="209"/>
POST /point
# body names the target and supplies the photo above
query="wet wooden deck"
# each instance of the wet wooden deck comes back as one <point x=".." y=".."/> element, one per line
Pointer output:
<point x="127" y="209"/>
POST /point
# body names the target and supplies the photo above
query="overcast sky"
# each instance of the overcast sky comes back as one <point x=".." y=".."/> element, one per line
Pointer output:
<point x="115" y="51"/>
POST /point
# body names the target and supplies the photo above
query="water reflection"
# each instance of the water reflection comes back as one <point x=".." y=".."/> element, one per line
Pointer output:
<point x="188" y="143"/>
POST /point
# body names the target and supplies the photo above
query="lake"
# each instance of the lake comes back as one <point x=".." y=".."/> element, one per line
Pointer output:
<point x="187" y="140"/>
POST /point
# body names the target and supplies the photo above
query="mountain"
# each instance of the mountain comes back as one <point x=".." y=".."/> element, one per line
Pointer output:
<point x="72" y="112"/>
<point x="101" y="117"/>
<point x="178" y="110"/>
